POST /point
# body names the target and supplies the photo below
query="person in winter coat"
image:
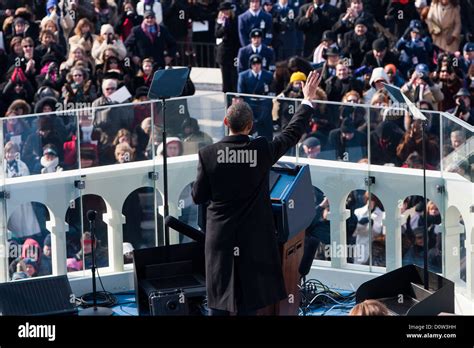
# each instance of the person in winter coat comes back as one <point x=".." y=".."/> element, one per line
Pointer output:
<point x="243" y="271"/>
<point x="444" y="23"/>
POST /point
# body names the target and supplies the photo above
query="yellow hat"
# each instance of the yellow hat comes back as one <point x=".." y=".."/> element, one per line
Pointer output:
<point x="297" y="76"/>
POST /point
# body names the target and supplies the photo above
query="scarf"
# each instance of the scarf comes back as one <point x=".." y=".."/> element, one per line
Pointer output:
<point x="12" y="168"/>
<point x="152" y="32"/>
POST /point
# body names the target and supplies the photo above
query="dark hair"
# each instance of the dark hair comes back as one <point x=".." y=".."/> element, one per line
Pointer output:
<point x="239" y="116"/>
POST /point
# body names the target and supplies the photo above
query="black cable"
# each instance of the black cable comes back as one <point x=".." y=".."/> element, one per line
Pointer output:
<point x="104" y="298"/>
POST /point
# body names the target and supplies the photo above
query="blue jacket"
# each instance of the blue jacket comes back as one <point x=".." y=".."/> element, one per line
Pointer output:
<point x="247" y="22"/>
<point x="267" y="53"/>
<point x="248" y="84"/>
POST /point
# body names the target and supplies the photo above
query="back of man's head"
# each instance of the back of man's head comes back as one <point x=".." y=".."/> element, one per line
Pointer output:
<point x="239" y="116"/>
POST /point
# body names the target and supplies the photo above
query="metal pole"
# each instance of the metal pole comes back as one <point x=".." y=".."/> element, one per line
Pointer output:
<point x="425" y="225"/>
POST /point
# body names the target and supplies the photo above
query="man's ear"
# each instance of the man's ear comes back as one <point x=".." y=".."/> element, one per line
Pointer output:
<point x="226" y="122"/>
<point x="249" y="127"/>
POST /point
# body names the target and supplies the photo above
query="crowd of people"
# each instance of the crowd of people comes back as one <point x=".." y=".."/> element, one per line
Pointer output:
<point x="57" y="56"/>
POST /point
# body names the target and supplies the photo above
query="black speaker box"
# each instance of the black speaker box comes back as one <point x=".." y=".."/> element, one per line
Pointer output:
<point x="37" y="296"/>
<point x="403" y="293"/>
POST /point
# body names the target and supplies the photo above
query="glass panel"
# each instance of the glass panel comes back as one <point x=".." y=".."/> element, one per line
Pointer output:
<point x="457" y="151"/>
<point x="192" y="123"/>
<point x="41" y="185"/>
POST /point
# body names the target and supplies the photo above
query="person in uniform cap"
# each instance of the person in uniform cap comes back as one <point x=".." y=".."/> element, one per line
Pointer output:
<point x="257" y="81"/>
<point x="256" y="47"/>
<point x="254" y="17"/>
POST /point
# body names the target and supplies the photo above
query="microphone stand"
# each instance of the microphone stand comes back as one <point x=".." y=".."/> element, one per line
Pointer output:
<point x="94" y="310"/>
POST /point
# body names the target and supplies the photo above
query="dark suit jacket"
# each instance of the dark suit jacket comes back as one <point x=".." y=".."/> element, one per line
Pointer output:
<point x="141" y="46"/>
<point x="266" y="53"/>
<point x="247" y="82"/>
<point x="227" y="49"/>
<point x="240" y="216"/>
<point x="247" y="22"/>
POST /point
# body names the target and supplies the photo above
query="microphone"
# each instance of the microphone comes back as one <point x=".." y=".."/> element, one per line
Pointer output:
<point x="91" y="215"/>
<point x="311" y="245"/>
<point x="185" y="229"/>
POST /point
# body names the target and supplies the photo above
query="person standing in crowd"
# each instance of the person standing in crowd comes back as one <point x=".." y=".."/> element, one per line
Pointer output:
<point x="257" y="81"/>
<point x="463" y="109"/>
<point x="284" y="30"/>
<point x="414" y="49"/>
<point x="227" y="45"/>
<point x="148" y="5"/>
<point x="444" y="24"/>
<point x="347" y="20"/>
<point x="253" y="18"/>
<point x="130" y="19"/>
<point x="338" y="85"/>
<point x="256" y="47"/>
<point x="313" y="19"/>
<point x="421" y="87"/>
<point x="357" y="42"/>
<point x="151" y="40"/>
<point x="321" y="52"/>
<point x="380" y="55"/>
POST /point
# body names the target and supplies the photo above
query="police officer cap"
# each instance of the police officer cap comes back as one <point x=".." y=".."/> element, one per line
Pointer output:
<point x="469" y="47"/>
<point x="255" y="59"/>
<point x="256" y="32"/>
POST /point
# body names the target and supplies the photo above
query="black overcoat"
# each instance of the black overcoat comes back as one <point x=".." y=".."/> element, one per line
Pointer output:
<point x="242" y="257"/>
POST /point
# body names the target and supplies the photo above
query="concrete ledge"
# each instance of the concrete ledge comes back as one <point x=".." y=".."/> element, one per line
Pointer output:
<point x="207" y="79"/>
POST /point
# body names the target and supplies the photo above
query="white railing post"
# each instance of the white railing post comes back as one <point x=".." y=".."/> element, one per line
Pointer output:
<point x="57" y="227"/>
<point x="115" y="220"/>
<point x="393" y="238"/>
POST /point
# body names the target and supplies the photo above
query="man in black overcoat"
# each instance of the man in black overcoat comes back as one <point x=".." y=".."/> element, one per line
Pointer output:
<point x="243" y="267"/>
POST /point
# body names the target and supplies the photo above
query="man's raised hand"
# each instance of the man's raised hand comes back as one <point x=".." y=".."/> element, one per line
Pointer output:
<point x="311" y="86"/>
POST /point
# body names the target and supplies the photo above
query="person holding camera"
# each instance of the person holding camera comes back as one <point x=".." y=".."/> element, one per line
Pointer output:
<point x="83" y="35"/>
<point x="107" y="39"/>
<point x="129" y="18"/>
<point x="421" y="87"/>
<point x="463" y="109"/>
